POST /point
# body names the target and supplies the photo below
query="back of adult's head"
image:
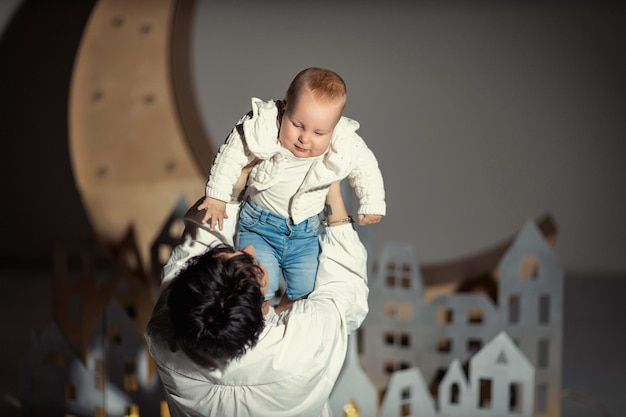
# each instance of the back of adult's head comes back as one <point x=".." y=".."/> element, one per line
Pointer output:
<point x="215" y="306"/>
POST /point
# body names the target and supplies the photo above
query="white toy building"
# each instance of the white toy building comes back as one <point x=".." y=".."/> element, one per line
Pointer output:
<point x="500" y="384"/>
<point x="115" y="381"/>
<point x="403" y="331"/>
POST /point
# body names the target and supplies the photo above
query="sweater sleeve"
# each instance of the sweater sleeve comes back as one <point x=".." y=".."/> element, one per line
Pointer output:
<point x="367" y="180"/>
<point x="230" y="159"/>
<point x="342" y="274"/>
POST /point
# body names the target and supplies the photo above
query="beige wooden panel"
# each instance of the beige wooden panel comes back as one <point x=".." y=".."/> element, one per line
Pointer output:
<point x="130" y="157"/>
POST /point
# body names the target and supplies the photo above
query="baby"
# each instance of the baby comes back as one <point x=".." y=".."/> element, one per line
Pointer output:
<point x="293" y="150"/>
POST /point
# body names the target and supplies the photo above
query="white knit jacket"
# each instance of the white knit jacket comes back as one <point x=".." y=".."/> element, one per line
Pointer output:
<point x="256" y="137"/>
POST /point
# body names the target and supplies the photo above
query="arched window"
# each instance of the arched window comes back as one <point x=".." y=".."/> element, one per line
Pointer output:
<point x="455" y="394"/>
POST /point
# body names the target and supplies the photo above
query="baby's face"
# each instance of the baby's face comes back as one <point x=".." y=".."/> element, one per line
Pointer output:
<point x="308" y="124"/>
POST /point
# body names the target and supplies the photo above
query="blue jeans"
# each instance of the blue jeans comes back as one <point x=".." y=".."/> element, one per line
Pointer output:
<point x="281" y="246"/>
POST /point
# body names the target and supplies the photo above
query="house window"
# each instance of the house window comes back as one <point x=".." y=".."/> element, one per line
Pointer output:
<point x="391" y="309"/>
<point x="445" y="315"/>
<point x="389" y="338"/>
<point x="541" y="402"/>
<point x="514" y="308"/>
<point x="391" y="280"/>
<point x="70" y="392"/>
<point x="397" y="339"/>
<point x="391" y="275"/>
<point x="515" y="398"/>
<point x="130" y="375"/>
<point x="131" y="310"/>
<point x="529" y="268"/>
<point x="132" y="411"/>
<point x="484" y="400"/>
<point x="543" y="353"/>
<point x="475" y="316"/>
<point x="405" y="340"/>
<point x="389" y="367"/>
<point x="398" y="310"/>
<point x="474" y="345"/>
<point x="398" y="278"/>
<point x="405" y="282"/>
<point x="544" y="309"/>
<point x="444" y="345"/>
<point x="405" y="311"/>
<point x="455" y="393"/>
<point x="405" y="401"/>
<point x="115" y="335"/>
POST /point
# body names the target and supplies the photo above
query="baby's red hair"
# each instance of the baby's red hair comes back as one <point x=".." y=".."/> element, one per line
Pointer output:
<point x="323" y="84"/>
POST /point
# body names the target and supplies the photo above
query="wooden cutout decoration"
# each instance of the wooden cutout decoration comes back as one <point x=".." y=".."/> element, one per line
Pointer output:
<point x="131" y="158"/>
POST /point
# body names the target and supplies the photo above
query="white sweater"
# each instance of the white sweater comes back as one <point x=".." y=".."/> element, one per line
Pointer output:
<point x="293" y="367"/>
<point x="256" y="137"/>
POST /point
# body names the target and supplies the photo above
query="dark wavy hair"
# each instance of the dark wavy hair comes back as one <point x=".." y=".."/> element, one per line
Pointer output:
<point x="215" y="306"/>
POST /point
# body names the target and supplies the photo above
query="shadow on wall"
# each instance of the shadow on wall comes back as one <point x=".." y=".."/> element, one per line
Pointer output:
<point x="41" y="204"/>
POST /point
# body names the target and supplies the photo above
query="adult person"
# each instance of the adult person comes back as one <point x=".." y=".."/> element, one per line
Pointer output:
<point x="222" y="350"/>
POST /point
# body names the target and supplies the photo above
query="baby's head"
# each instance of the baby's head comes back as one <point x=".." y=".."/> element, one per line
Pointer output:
<point x="313" y="106"/>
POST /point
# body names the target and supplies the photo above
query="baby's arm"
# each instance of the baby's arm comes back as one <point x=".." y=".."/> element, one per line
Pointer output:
<point x="216" y="209"/>
<point x="368" y="184"/>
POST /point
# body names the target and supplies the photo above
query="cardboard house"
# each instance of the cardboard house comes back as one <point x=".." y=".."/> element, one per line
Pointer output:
<point x="403" y="331"/>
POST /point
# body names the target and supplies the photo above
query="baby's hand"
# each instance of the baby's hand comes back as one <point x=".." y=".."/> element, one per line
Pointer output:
<point x="215" y="211"/>
<point x="365" y="219"/>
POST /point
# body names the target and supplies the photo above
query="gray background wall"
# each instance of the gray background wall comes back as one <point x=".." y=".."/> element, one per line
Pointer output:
<point x="482" y="116"/>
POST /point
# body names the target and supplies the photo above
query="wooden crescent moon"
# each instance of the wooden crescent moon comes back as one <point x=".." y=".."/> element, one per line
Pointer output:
<point x="136" y="142"/>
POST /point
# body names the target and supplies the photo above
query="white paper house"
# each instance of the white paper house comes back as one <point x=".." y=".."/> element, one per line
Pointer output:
<point x="407" y="396"/>
<point x="118" y="359"/>
<point x="455" y="396"/>
<point x="50" y="376"/>
<point x="353" y="387"/>
<point x="115" y="381"/>
<point x="501" y="380"/>
<point x="402" y="331"/>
